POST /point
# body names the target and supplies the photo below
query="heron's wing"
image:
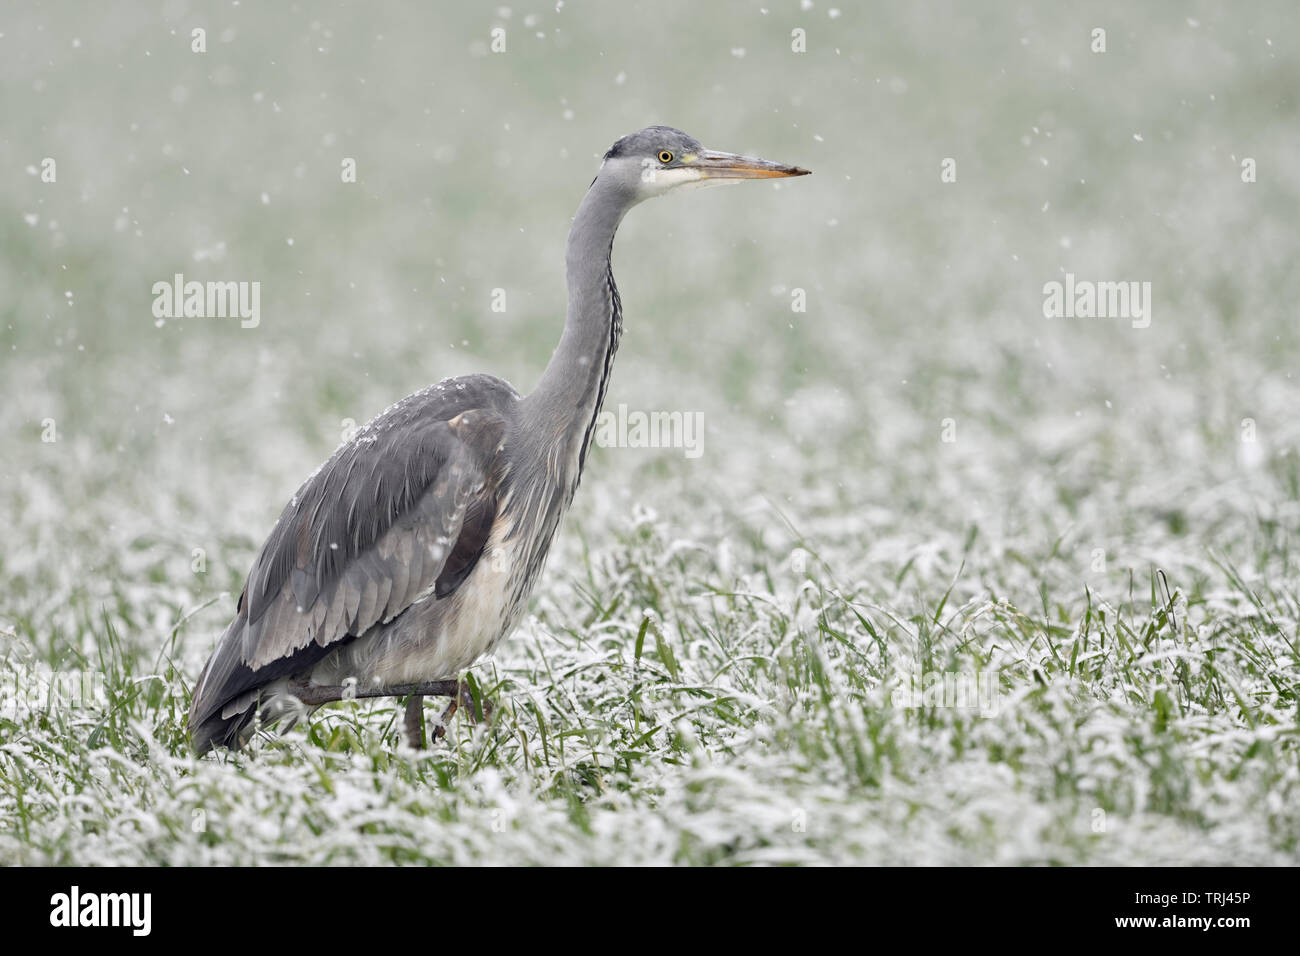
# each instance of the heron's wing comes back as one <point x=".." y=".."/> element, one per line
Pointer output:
<point x="399" y="513"/>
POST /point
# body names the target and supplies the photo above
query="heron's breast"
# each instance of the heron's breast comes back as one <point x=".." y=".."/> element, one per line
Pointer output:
<point x="439" y="639"/>
<point x="490" y="602"/>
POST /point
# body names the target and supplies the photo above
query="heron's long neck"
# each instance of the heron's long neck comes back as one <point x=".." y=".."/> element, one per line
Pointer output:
<point x="564" y="406"/>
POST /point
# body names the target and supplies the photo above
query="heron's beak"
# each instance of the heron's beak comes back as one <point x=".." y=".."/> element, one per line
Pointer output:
<point x="730" y="167"/>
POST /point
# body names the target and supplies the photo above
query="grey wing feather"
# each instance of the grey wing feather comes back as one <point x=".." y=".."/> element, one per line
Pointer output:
<point x="366" y="536"/>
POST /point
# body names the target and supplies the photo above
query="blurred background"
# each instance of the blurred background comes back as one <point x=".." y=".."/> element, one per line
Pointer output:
<point x="924" y="298"/>
<point x="179" y="440"/>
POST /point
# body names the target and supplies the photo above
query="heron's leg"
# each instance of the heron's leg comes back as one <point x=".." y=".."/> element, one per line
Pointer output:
<point x="441" y="730"/>
<point x="313" y="695"/>
<point x="463" y="697"/>
<point x="415" y="721"/>
<point x="472" y="707"/>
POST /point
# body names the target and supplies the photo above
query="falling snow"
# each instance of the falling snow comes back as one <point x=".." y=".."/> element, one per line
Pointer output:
<point x="916" y="474"/>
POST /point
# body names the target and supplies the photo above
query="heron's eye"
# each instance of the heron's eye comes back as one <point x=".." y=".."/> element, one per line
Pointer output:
<point x="665" y="156"/>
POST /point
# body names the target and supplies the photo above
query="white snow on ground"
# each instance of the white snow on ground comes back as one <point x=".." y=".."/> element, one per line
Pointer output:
<point x="828" y="548"/>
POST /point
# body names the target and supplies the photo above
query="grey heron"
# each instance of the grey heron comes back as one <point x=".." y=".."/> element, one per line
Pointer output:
<point x="412" y="551"/>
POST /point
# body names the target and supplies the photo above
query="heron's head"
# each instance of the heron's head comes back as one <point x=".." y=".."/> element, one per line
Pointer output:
<point x="659" y="159"/>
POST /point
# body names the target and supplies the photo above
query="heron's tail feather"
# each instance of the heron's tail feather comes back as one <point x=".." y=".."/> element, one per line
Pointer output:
<point x="231" y="733"/>
<point x="235" y="723"/>
<point x="230" y="692"/>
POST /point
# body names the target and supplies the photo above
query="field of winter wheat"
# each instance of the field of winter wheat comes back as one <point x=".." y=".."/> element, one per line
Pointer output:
<point x="982" y="552"/>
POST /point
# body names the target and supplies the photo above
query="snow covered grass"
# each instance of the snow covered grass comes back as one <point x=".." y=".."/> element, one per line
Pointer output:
<point x="731" y="658"/>
<point x="746" y="719"/>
